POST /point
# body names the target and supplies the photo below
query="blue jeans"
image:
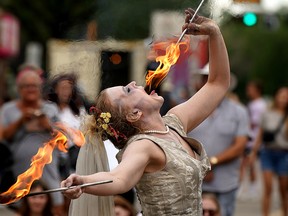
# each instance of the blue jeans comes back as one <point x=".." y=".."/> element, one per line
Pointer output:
<point x="227" y="201"/>
<point x="275" y="161"/>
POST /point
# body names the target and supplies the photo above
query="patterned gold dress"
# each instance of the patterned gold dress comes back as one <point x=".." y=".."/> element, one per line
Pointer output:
<point x="175" y="190"/>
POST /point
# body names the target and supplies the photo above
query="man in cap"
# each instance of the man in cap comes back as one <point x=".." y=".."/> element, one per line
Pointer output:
<point x="224" y="136"/>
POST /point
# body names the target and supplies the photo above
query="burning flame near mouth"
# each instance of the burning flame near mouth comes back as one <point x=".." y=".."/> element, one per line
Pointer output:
<point x="39" y="160"/>
<point x="173" y="51"/>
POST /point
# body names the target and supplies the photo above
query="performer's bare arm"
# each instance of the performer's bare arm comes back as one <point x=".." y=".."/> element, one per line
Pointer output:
<point x="139" y="157"/>
<point x="200" y="105"/>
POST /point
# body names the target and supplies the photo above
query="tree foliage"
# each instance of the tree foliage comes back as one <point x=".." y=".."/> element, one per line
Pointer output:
<point x="41" y="20"/>
<point x="255" y="52"/>
<point x="130" y="19"/>
<point x="258" y="52"/>
<point x="125" y="19"/>
<point x="67" y="19"/>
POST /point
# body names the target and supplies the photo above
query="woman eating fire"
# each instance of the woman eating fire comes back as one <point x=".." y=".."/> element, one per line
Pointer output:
<point x="165" y="166"/>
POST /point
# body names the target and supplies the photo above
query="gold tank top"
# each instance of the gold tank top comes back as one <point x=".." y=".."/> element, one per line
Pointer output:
<point x="177" y="188"/>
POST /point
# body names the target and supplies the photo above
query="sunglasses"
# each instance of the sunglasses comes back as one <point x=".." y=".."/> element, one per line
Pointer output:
<point x="211" y="212"/>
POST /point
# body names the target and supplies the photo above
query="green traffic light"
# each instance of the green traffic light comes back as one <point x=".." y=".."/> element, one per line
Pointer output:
<point x="249" y="19"/>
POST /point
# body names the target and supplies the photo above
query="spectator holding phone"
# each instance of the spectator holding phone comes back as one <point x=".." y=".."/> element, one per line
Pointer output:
<point x="26" y="123"/>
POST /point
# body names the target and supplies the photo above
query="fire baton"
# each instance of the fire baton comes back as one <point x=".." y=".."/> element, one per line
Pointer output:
<point x="67" y="188"/>
<point x="190" y="21"/>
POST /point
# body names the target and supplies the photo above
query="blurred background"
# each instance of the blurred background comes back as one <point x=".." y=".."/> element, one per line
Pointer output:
<point x="109" y="42"/>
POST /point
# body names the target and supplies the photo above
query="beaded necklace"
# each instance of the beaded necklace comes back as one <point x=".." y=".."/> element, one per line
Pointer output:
<point x="158" y="131"/>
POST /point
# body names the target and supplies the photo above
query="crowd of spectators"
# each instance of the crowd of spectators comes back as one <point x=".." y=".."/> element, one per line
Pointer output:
<point x="232" y="137"/>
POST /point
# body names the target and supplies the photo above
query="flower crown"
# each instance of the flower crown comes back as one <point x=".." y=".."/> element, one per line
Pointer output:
<point x="103" y="123"/>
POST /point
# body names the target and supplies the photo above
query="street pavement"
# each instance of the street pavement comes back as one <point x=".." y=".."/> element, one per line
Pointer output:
<point x="249" y="200"/>
<point x="252" y="207"/>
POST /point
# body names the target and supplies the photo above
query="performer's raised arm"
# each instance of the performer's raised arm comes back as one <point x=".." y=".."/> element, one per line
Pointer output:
<point x="198" y="107"/>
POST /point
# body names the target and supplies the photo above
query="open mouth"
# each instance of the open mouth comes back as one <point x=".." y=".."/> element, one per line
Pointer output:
<point x="153" y="92"/>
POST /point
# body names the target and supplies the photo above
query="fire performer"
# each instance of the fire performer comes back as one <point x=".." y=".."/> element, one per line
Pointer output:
<point x="156" y="156"/>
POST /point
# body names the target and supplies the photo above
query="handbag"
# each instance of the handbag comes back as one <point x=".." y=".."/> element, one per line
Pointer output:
<point x="269" y="135"/>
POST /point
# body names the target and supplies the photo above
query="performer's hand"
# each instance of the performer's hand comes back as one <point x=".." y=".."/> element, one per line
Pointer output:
<point x="74" y="192"/>
<point x="200" y="25"/>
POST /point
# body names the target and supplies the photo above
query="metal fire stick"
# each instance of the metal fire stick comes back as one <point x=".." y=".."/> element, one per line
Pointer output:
<point x="190" y="21"/>
<point x="67" y="188"/>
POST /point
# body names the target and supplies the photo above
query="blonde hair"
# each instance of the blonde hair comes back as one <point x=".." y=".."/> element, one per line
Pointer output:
<point x="122" y="129"/>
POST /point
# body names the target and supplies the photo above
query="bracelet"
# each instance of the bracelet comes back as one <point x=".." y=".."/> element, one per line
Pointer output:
<point x="213" y="160"/>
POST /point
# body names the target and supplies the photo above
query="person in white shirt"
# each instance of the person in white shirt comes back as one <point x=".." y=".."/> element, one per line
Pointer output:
<point x="63" y="90"/>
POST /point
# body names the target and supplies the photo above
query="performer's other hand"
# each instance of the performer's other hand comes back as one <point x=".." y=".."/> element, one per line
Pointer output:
<point x="74" y="192"/>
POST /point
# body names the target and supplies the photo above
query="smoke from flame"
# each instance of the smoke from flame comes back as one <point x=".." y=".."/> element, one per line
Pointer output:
<point x="39" y="160"/>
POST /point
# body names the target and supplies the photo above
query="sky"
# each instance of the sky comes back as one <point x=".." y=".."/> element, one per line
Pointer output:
<point x="269" y="6"/>
<point x="274" y="4"/>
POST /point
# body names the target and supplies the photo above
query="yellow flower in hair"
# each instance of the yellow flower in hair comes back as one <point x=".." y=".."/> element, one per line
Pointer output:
<point x="104" y="126"/>
<point x="103" y="115"/>
<point x="104" y="119"/>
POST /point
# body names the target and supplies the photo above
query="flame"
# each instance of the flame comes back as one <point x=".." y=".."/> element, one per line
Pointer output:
<point x="75" y="135"/>
<point x="39" y="160"/>
<point x="173" y="51"/>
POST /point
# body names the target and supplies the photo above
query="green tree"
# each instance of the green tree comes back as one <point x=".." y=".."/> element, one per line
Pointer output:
<point x="130" y="19"/>
<point x="258" y="52"/>
<point x="42" y="20"/>
<point x="66" y="19"/>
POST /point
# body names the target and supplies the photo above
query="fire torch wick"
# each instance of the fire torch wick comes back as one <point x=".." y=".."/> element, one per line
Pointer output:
<point x="190" y="21"/>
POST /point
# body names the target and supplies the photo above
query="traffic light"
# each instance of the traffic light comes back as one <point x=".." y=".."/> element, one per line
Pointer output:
<point x="250" y="19"/>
